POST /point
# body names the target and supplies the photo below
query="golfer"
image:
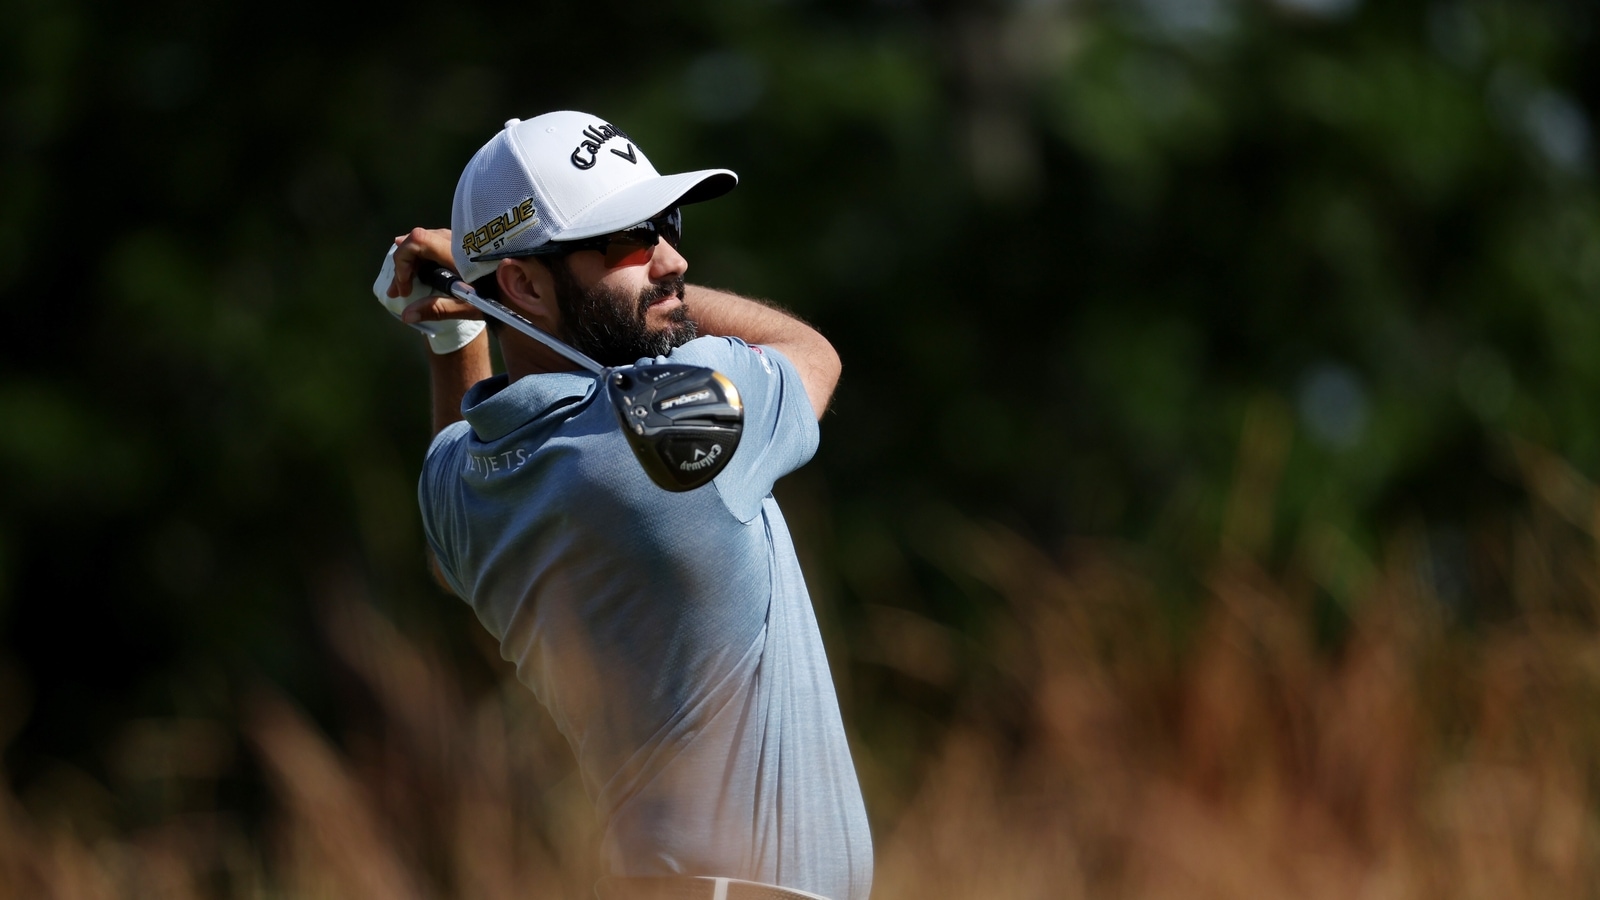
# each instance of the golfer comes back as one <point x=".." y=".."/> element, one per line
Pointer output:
<point x="670" y="635"/>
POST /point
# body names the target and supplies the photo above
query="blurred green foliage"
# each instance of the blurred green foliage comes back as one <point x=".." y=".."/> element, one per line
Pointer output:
<point x="1067" y="251"/>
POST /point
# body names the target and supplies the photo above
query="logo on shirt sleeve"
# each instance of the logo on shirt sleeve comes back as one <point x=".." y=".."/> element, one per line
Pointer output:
<point x="761" y="355"/>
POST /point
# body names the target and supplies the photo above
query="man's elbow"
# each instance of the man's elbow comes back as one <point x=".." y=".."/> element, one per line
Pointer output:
<point x="824" y="368"/>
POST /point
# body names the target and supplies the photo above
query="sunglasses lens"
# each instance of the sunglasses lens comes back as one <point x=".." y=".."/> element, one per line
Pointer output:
<point x="635" y="246"/>
<point x="621" y="253"/>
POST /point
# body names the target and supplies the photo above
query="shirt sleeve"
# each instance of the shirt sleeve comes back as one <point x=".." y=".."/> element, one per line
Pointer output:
<point x="440" y="468"/>
<point x="780" y="425"/>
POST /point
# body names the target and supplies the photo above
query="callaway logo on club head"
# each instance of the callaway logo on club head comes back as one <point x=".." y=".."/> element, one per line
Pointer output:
<point x="596" y="136"/>
<point x="702" y="459"/>
<point x="507" y="224"/>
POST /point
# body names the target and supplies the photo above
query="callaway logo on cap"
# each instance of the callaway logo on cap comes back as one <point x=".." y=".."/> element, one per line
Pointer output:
<point x="561" y="176"/>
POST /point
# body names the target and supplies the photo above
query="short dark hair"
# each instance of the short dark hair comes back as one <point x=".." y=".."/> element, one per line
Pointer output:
<point x="489" y="286"/>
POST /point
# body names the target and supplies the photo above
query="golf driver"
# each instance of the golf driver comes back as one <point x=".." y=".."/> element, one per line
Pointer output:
<point x="682" y="422"/>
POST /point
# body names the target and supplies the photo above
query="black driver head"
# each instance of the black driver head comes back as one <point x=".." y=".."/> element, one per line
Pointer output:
<point x="683" y="422"/>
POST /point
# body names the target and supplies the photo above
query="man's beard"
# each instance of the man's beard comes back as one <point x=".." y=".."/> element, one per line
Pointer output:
<point x="610" y="326"/>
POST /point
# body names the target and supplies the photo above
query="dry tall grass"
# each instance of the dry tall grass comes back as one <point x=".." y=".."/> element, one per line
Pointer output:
<point x="1244" y="757"/>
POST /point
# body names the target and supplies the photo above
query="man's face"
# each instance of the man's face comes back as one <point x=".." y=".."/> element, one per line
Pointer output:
<point x="618" y="316"/>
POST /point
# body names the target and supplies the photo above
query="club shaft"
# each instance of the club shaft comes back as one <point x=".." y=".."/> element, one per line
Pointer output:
<point x="442" y="279"/>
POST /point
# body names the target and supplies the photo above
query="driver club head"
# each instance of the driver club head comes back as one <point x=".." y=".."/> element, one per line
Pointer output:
<point x="683" y="422"/>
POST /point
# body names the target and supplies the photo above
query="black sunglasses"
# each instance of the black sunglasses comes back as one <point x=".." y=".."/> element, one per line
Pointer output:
<point x="632" y="246"/>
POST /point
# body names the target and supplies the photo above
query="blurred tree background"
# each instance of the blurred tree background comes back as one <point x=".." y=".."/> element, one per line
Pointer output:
<point x="1133" y="279"/>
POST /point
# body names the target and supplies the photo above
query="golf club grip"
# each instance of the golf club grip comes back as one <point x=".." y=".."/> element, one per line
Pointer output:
<point x="436" y="276"/>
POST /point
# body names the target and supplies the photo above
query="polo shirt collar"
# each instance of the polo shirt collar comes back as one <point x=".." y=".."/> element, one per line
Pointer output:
<point x="496" y="406"/>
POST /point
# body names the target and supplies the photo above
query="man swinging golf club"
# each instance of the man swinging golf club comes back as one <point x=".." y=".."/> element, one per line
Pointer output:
<point x="668" y="632"/>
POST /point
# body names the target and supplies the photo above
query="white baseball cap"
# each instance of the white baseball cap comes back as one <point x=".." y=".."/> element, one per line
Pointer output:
<point x="558" y="177"/>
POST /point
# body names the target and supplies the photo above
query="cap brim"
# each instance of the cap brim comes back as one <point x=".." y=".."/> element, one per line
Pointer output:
<point x="638" y="202"/>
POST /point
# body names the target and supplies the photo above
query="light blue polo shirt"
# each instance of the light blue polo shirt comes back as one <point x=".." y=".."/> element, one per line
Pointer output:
<point x="669" y="634"/>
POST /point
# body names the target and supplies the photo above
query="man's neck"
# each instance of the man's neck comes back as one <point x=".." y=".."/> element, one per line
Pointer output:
<point x="525" y="356"/>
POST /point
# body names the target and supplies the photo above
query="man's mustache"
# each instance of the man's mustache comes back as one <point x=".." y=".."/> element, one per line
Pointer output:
<point x="658" y="291"/>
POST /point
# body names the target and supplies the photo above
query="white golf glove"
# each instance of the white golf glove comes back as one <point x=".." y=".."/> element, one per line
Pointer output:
<point x="446" y="336"/>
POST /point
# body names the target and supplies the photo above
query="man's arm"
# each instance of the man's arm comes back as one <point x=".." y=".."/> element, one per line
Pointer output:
<point x="722" y="313"/>
<point x="717" y="312"/>
<point x="452" y="373"/>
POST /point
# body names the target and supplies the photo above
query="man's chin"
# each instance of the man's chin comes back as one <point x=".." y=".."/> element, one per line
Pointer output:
<point x="668" y="339"/>
<point x="676" y="326"/>
<point x="684" y="329"/>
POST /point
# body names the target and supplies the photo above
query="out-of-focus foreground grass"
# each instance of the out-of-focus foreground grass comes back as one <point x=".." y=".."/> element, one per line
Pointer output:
<point x="1247" y="754"/>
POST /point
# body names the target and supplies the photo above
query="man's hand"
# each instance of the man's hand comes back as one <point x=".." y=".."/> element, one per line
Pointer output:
<point x="451" y="371"/>
<point x="448" y="323"/>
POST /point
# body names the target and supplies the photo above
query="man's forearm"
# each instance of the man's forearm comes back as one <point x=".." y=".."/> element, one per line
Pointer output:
<point x="719" y="312"/>
<point x="452" y="373"/>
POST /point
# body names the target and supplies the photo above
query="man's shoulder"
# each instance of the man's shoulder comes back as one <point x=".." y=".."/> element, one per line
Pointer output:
<point x="453" y="433"/>
<point x="723" y="352"/>
<point x="444" y="444"/>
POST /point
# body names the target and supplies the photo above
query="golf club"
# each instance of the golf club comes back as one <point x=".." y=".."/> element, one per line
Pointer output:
<point x="682" y="422"/>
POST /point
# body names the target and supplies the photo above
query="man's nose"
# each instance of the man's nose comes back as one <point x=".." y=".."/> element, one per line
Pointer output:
<point x="667" y="262"/>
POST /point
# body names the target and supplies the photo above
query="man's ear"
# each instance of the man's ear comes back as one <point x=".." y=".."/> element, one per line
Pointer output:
<point x="526" y="286"/>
